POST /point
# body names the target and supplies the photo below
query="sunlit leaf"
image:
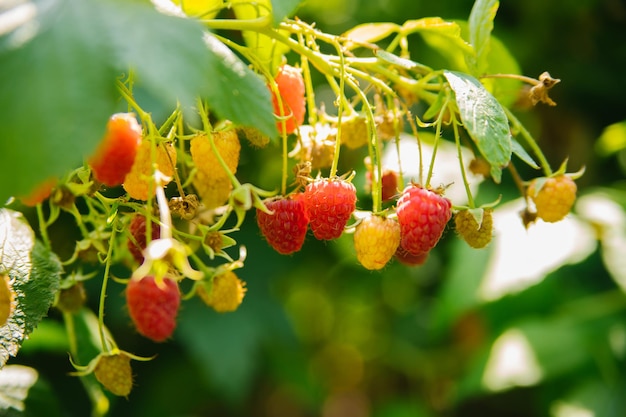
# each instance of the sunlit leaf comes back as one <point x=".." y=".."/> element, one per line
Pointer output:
<point x="268" y="51"/>
<point x="370" y="32"/>
<point x="484" y="119"/>
<point x="443" y="37"/>
<point x="284" y="8"/>
<point x="34" y="274"/>
<point x="480" y="27"/>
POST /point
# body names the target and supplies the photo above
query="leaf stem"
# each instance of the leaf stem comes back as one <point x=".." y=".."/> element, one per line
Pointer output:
<point x="103" y="289"/>
<point x="43" y="227"/>
<point x="545" y="165"/>
<point x="468" y="191"/>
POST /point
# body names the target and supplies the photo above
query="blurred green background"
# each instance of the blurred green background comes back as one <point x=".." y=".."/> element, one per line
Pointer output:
<point x="533" y="326"/>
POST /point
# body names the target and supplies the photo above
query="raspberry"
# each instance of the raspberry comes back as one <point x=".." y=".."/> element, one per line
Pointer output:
<point x="407" y="258"/>
<point x="316" y="145"/>
<point x="376" y="240"/>
<point x="39" y="193"/>
<point x="254" y="136"/>
<point x="139" y="181"/>
<point x="227" y="144"/>
<point x="286" y="228"/>
<point x="113" y="371"/>
<point x="423" y="215"/>
<point x="386" y="124"/>
<point x="554" y="198"/>
<point x="153" y="307"/>
<point x="389" y="184"/>
<point x="211" y="182"/>
<point x="138" y="241"/>
<point x="329" y="203"/>
<point x="354" y="132"/>
<point x="225" y="294"/>
<point x="290" y="86"/>
<point x="72" y="299"/>
<point x="213" y="192"/>
<point x="477" y="236"/>
<point x="115" y="155"/>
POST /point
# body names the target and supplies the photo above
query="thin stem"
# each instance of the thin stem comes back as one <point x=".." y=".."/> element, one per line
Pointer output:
<point x="545" y="165"/>
<point x="438" y="124"/>
<point x="43" y="227"/>
<point x="527" y="80"/>
<point x="341" y="103"/>
<point x="207" y="128"/>
<point x="517" y="179"/>
<point x="103" y="290"/>
<point x="468" y="191"/>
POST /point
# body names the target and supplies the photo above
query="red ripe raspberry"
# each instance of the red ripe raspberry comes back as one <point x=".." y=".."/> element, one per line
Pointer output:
<point x="284" y="230"/>
<point x="423" y="215"/>
<point x="116" y="153"/>
<point x="39" y="193"/>
<point x="330" y="203"/>
<point x="407" y="258"/>
<point x="291" y="88"/>
<point x="138" y="241"/>
<point x="388" y="186"/>
<point x="153" y="307"/>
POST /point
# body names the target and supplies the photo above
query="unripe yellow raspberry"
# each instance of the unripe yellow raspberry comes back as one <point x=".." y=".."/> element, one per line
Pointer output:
<point x="477" y="236"/>
<point x="114" y="373"/>
<point x="375" y="240"/>
<point x="213" y="192"/>
<point x="227" y="144"/>
<point x="225" y="294"/>
<point x="139" y="183"/>
<point x="354" y="132"/>
<point x="554" y="200"/>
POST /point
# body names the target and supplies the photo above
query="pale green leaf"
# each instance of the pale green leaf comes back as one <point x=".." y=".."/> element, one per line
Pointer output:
<point x="480" y="27"/>
<point x="443" y="37"/>
<point x="400" y="62"/>
<point x="369" y="33"/>
<point x="34" y="275"/>
<point x="484" y="119"/>
<point x="284" y="8"/>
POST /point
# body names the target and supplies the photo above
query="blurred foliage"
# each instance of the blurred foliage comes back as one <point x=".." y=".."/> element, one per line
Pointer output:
<point x="317" y="335"/>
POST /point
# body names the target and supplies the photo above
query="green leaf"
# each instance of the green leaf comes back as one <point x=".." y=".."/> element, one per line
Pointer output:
<point x="268" y="51"/>
<point x="283" y="8"/>
<point x="400" y="62"/>
<point x="480" y="27"/>
<point x="369" y="33"/>
<point x="443" y="37"/>
<point x="521" y="153"/>
<point x="34" y="275"/>
<point x="240" y="95"/>
<point x="484" y="119"/>
<point x="54" y="78"/>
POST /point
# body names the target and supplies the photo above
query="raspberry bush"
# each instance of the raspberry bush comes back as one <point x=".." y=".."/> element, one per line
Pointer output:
<point x="158" y="200"/>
